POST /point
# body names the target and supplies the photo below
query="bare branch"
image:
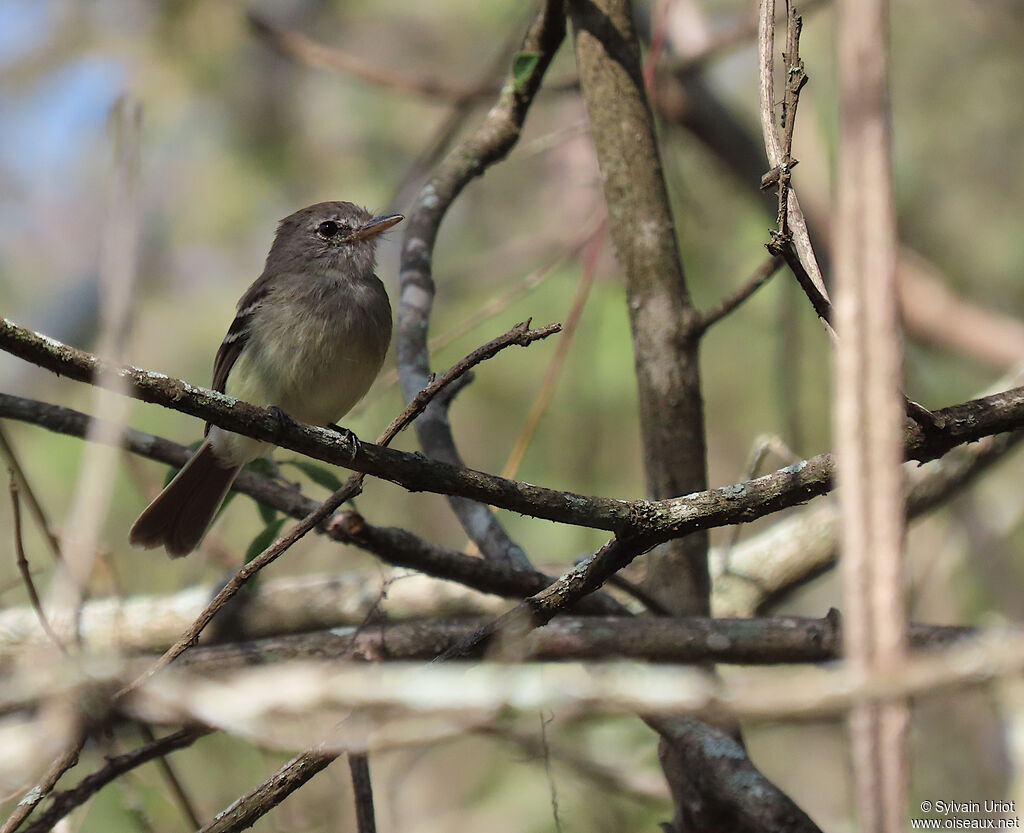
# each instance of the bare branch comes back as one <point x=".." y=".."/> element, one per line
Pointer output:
<point x="61" y="764"/>
<point x="520" y="335"/>
<point x="868" y="414"/>
<point x="66" y="801"/>
<point x="362" y="787"/>
<point x="769" y="641"/>
<point x="761" y="276"/>
<point x="492" y="140"/>
<point x="23" y="566"/>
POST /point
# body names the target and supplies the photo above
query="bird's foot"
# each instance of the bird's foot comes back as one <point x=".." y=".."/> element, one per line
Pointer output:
<point x="284" y="421"/>
<point x="348" y="434"/>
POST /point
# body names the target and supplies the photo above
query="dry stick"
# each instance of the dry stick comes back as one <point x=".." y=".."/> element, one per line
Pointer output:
<point x="23" y="565"/>
<point x="66" y="801"/>
<point x="761" y="276"/>
<point x="868" y="411"/>
<point x="520" y="335"/>
<point x="663" y="520"/>
<point x="557" y="362"/>
<point x="792" y="240"/>
<point x="771" y="640"/>
<point x="362" y="787"/>
<point x="67" y="759"/>
<point x="35" y="507"/>
<point x="185" y="802"/>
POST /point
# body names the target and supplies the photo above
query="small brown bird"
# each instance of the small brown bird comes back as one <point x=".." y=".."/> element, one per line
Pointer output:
<point x="309" y="338"/>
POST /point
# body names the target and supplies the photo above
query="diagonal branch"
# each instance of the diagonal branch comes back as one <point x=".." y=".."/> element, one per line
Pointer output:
<point x="64" y="802"/>
<point x="792" y="240"/>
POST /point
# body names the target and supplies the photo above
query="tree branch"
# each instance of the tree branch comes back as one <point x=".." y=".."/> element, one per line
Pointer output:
<point x="488" y="144"/>
<point x="768" y="641"/>
<point x="66" y="801"/>
<point x="521" y="334"/>
<point x="656" y="521"/>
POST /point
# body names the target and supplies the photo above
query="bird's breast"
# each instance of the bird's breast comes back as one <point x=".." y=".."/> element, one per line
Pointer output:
<point x="315" y="349"/>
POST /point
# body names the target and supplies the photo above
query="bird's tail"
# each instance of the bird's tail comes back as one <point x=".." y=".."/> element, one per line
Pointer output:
<point x="178" y="517"/>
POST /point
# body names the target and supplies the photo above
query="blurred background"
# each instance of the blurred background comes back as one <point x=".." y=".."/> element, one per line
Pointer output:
<point x="239" y="130"/>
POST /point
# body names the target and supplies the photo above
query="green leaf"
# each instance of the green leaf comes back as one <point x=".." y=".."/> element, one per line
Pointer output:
<point x="318" y="474"/>
<point x="263" y="466"/>
<point x="523" y="65"/>
<point x="264" y="539"/>
<point x="268" y="513"/>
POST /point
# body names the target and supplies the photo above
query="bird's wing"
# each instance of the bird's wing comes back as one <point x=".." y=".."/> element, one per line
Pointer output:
<point x="238" y="333"/>
<point x="237" y="336"/>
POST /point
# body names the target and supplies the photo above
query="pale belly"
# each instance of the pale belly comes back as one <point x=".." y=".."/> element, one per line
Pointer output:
<point x="314" y="370"/>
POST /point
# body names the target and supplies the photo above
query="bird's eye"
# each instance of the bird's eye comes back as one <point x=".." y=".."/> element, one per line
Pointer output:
<point x="328" y="229"/>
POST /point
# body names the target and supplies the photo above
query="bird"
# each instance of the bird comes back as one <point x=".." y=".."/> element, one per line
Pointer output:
<point x="308" y="339"/>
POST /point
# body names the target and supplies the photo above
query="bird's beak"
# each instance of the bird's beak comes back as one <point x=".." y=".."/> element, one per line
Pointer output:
<point x="375" y="227"/>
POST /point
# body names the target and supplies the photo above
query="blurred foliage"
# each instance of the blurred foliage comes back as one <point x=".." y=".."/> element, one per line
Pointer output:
<point x="236" y="136"/>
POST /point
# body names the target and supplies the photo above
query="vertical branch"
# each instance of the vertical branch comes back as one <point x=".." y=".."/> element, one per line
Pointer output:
<point x="362" y="787"/>
<point x="34" y="506"/>
<point x="701" y="769"/>
<point x="792" y="240"/>
<point x="664" y="325"/>
<point x="869" y="409"/>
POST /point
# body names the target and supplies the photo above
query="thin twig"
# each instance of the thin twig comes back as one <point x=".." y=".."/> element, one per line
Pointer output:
<point x="546" y="756"/>
<point x="362" y="787"/>
<point x="23" y="565"/>
<point x="500" y="303"/>
<point x="761" y="276"/>
<point x="557" y="361"/>
<point x="791" y="236"/>
<point x="311" y="53"/>
<point x="66" y="801"/>
<point x="185" y="802"/>
<point x="520" y="335"/>
<point x="34" y="505"/>
<point x="67" y="759"/>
